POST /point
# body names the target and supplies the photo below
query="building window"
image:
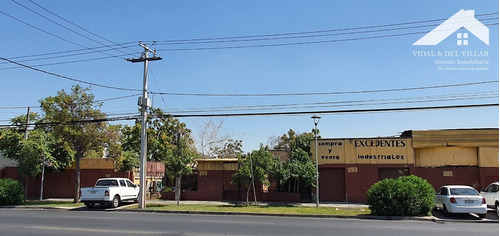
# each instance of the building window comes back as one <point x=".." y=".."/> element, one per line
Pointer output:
<point x="462" y="38"/>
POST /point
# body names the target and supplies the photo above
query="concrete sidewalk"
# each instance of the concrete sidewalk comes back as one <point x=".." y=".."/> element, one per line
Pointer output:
<point x="232" y="203"/>
<point x="239" y="203"/>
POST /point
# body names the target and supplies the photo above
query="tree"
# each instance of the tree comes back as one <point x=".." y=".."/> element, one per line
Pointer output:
<point x="230" y="149"/>
<point x="169" y="141"/>
<point x="299" y="168"/>
<point x="291" y="141"/>
<point x="31" y="154"/>
<point x="35" y="152"/>
<point x="79" y="135"/>
<point x="255" y="167"/>
<point x="130" y="160"/>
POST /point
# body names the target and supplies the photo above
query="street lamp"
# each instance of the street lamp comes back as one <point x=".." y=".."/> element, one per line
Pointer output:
<point x="316" y="121"/>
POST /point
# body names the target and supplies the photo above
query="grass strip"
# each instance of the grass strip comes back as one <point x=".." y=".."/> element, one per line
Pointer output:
<point x="51" y="203"/>
<point x="292" y="210"/>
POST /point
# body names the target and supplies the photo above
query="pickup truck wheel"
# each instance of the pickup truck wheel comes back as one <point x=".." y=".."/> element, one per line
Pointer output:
<point x="116" y="201"/>
<point x="136" y="200"/>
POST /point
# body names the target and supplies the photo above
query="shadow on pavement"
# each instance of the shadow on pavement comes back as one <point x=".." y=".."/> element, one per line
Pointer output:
<point x="105" y="207"/>
<point x="491" y="215"/>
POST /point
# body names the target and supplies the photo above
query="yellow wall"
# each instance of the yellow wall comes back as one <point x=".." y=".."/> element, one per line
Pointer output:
<point x="217" y="164"/>
<point x="456" y="138"/>
<point x="446" y="156"/>
<point x="488" y="157"/>
<point x="431" y="148"/>
<point x="95" y="163"/>
<point x="364" y="151"/>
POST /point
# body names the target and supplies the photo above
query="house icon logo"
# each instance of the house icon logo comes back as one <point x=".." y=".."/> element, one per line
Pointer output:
<point x="461" y="19"/>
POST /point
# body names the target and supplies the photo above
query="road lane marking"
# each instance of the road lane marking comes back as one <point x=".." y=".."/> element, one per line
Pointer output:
<point x="87" y="230"/>
<point x="93" y="230"/>
<point x="405" y="227"/>
<point x="238" y="222"/>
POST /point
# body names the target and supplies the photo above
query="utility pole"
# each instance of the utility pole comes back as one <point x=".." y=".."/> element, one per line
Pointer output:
<point x="26" y="138"/>
<point x="27" y="124"/>
<point x="144" y="102"/>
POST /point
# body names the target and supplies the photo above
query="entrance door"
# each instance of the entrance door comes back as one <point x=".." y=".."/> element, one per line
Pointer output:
<point x="332" y="185"/>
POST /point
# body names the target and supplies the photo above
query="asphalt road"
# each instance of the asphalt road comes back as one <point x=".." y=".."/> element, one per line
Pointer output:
<point x="99" y="222"/>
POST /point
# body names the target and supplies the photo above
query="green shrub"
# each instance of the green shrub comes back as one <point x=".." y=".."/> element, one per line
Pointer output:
<point x="11" y="192"/>
<point x="405" y="196"/>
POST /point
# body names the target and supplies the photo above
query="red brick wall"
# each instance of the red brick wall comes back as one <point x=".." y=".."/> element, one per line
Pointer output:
<point x="216" y="180"/>
<point x="460" y="175"/>
<point x="9" y="172"/>
<point x="62" y="184"/>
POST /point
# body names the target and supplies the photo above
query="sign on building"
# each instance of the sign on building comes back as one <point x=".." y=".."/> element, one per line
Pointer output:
<point x="364" y="151"/>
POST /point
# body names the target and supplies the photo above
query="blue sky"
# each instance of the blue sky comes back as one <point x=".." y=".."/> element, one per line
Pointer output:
<point x="346" y="65"/>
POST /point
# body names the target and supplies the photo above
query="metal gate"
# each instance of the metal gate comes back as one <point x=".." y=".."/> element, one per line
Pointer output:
<point x="332" y="185"/>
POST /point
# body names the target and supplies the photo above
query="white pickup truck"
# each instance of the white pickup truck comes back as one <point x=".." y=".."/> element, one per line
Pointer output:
<point x="110" y="191"/>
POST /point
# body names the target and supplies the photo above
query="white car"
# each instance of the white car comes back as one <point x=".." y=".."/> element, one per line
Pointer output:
<point x="491" y="195"/>
<point x="111" y="191"/>
<point x="460" y="199"/>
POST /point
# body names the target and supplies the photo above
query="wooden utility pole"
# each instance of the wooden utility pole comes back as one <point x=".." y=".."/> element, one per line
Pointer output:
<point x="144" y="102"/>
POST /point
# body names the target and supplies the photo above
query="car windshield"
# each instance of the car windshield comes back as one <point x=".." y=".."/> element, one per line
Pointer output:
<point x="463" y="191"/>
<point x="107" y="182"/>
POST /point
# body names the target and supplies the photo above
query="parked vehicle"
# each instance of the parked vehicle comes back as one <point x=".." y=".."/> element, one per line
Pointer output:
<point x="109" y="191"/>
<point x="491" y="195"/>
<point x="460" y="199"/>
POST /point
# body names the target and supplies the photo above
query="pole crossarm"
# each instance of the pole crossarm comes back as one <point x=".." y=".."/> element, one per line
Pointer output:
<point x="142" y="59"/>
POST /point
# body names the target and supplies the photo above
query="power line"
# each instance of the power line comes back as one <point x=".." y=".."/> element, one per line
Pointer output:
<point x="211" y="40"/>
<point x="338" y="111"/>
<point x="313" y="32"/>
<point x="68" y="78"/>
<point x="297" y="43"/>
<point x="388" y="101"/>
<point x="194" y="41"/>
<point x="61" y="56"/>
<point x="304" y="36"/>
<point x="96" y="35"/>
<point x="325" y="93"/>
<point x="157" y="86"/>
<point x="77" y="122"/>
<point x="13" y="108"/>
<point x="116" y="98"/>
<point x="64" y="62"/>
<point x="252" y="95"/>
<point x="54" y="35"/>
<point x="60" y="25"/>
<point x="267" y="114"/>
<point x="76" y="50"/>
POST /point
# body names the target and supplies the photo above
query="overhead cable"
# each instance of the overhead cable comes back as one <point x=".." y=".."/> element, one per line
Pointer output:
<point x="339" y="111"/>
<point x="312" y="32"/>
<point x="94" y="34"/>
<point x="296" y="43"/>
<point x="371" y="30"/>
<point x="325" y="93"/>
<point x="387" y="101"/>
<point x="401" y="109"/>
<point x="69" y="78"/>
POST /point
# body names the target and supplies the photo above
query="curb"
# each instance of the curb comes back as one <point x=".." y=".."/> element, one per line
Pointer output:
<point x="361" y="217"/>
